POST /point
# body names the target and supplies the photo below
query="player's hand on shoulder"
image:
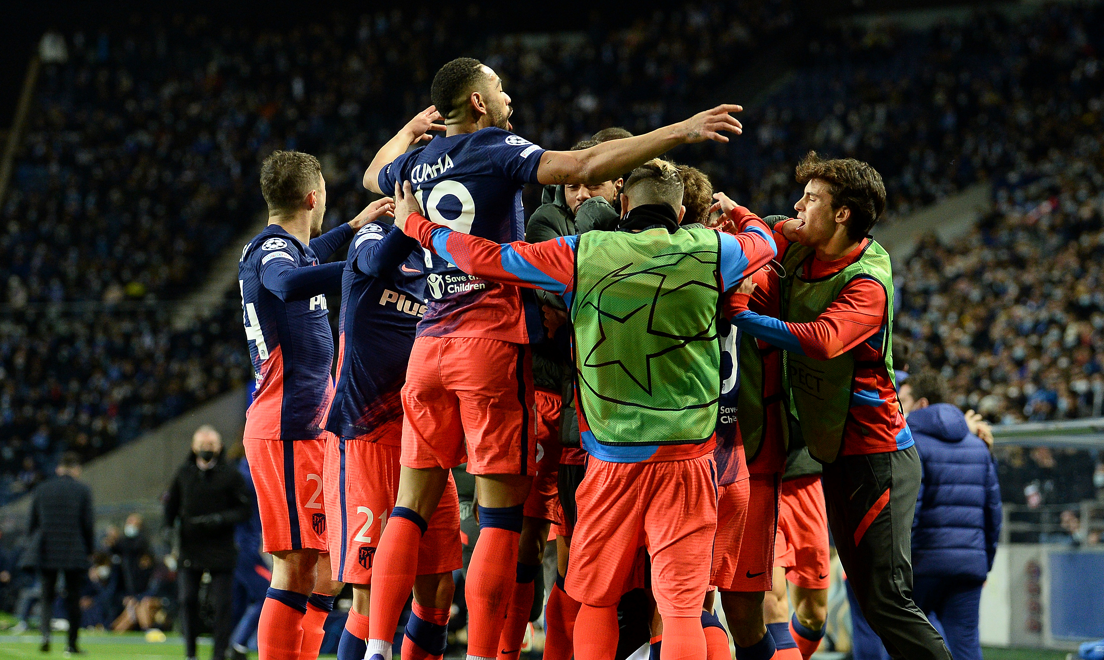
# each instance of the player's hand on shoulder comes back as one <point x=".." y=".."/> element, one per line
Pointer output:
<point x="405" y="203"/>
<point x="979" y="427"/>
<point x="423" y="122"/>
<point x="746" y="286"/>
<point x="711" y="124"/>
<point x="373" y="211"/>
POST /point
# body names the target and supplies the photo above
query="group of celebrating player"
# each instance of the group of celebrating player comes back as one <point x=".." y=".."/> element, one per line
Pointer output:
<point x="639" y="374"/>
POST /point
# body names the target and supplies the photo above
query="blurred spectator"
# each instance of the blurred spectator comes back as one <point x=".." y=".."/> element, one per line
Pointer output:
<point x="60" y="541"/>
<point x="52" y="48"/>
<point x="154" y="607"/>
<point x="9" y="571"/>
<point x="131" y="551"/>
<point x="208" y="498"/>
<point x="253" y="573"/>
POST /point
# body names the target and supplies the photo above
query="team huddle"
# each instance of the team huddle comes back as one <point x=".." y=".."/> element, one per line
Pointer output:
<point x="687" y="394"/>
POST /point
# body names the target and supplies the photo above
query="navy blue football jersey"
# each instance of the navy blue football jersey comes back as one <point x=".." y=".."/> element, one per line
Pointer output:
<point x="472" y="183"/>
<point x="383" y="296"/>
<point x="290" y="342"/>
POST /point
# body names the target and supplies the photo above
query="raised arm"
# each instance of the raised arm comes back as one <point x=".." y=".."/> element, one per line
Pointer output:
<point x="852" y="318"/>
<point x="609" y="160"/>
<point x="746" y="251"/>
<point x="376" y="254"/>
<point x="415" y="131"/>
<point x="548" y="265"/>
<point x="326" y="244"/>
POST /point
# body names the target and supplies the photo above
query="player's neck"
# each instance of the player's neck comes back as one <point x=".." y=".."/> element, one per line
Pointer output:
<point x="467" y="126"/>
<point x="836" y="248"/>
<point x="296" y="225"/>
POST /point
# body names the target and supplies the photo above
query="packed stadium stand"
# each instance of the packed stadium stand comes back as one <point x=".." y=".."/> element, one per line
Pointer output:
<point x="139" y="170"/>
<point x="140" y="167"/>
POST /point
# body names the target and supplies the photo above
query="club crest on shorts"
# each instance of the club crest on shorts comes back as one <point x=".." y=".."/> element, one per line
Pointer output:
<point x="318" y="522"/>
<point x="364" y="557"/>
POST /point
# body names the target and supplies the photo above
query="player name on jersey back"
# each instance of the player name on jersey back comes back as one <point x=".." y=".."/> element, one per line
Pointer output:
<point x="472" y="183"/>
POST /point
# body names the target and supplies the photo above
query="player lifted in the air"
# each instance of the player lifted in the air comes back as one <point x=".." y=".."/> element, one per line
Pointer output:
<point x="469" y="390"/>
<point x="283" y="290"/>
<point x="383" y="296"/>
<point x="644" y="304"/>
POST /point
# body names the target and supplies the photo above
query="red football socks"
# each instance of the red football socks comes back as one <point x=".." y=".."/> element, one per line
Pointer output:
<point x="491" y="578"/>
<point x="600" y="640"/>
<point x="426" y="633"/>
<point x="393" y="574"/>
<point x="319" y="607"/>
<point x="517" y="615"/>
<point x="280" y="630"/>
<point x="716" y="643"/>
<point x="357" y="624"/>
<point x="683" y="639"/>
<point x="807" y="640"/>
<point x="559" y="623"/>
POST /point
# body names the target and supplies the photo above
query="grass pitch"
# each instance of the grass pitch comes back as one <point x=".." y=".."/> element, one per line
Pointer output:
<point x="133" y="646"/>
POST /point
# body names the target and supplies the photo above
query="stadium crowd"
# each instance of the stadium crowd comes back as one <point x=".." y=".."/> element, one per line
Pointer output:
<point x="167" y="120"/>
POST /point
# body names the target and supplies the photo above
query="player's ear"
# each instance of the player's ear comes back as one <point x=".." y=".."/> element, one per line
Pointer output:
<point x="479" y="106"/>
<point x="624" y="205"/>
<point x="843" y="214"/>
<point x="312" y="199"/>
<point x="681" y="213"/>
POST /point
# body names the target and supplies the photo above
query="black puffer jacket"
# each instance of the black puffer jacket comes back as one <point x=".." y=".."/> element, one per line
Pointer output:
<point x="208" y="503"/>
<point x="61" y="526"/>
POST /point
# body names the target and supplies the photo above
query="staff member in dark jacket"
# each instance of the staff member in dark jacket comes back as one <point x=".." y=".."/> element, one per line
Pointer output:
<point x="208" y="498"/>
<point x="61" y="533"/>
<point x="958" y="514"/>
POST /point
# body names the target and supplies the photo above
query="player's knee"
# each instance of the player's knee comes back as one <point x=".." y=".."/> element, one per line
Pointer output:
<point x="435" y="590"/>
<point x="744" y="612"/>
<point x="295" y="570"/>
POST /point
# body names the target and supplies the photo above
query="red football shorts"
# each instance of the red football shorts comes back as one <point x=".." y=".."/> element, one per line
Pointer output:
<point x="362" y="481"/>
<point x="544" y="496"/>
<point x="288" y="477"/>
<point x="469" y="399"/>
<point x="668" y="508"/>
<point x="801" y="546"/>
<point x="732" y="515"/>
<point x="750" y="570"/>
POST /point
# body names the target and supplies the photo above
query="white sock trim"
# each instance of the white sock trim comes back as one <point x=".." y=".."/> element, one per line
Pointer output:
<point x="378" y="647"/>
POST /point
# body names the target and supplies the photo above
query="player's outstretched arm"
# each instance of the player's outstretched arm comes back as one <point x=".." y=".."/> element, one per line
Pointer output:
<point x="746" y="251"/>
<point x="610" y="160"/>
<point x="415" y="131"/>
<point x="548" y="265"/>
<point x="852" y="318"/>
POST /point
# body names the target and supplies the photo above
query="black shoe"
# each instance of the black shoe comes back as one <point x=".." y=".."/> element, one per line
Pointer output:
<point x="73" y="650"/>
<point x="45" y="648"/>
<point x="235" y="654"/>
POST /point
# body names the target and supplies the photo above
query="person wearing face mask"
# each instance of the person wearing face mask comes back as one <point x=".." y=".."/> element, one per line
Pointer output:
<point x="61" y="541"/>
<point x="207" y="499"/>
<point x="133" y="552"/>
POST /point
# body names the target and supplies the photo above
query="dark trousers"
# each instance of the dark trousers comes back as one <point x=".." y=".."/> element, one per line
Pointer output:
<point x="74" y="580"/>
<point x="871" y="502"/>
<point x="220" y="593"/>
<point x="956" y="602"/>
